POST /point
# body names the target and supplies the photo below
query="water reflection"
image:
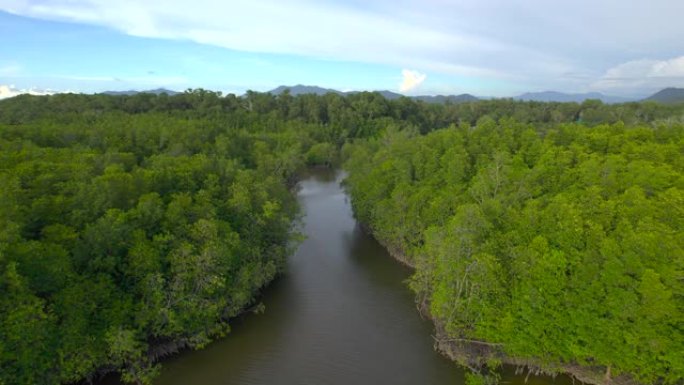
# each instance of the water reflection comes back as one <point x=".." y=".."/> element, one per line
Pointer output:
<point x="342" y="314"/>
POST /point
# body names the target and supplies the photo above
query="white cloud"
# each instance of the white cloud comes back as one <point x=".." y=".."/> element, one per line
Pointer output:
<point x="532" y="43"/>
<point x="328" y="30"/>
<point x="8" y="91"/>
<point x="639" y="76"/>
<point x="668" y="68"/>
<point x="411" y="80"/>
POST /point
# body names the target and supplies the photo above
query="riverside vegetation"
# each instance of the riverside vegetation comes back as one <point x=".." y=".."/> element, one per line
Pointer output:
<point x="541" y="247"/>
<point x="133" y="226"/>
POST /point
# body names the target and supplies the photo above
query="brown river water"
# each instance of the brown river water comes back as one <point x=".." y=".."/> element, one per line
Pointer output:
<point x="340" y="315"/>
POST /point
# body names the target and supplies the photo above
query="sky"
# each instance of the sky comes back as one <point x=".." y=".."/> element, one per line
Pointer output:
<point x="494" y="48"/>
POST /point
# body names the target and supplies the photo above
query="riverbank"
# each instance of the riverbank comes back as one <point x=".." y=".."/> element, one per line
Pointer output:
<point x="162" y="350"/>
<point x="476" y="355"/>
<point x="340" y="314"/>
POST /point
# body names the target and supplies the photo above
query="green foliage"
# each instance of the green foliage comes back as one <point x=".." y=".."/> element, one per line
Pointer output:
<point x="321" y="154"/>
<point x="472" y="378"/>
<point x="562" y="244"/>
<point x="129" y="222"/>
<point x="126" y="230"/>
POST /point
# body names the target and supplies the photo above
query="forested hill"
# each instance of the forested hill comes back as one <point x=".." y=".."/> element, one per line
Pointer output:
<point x="668" y="95"/>
<point x="135" y="225"/>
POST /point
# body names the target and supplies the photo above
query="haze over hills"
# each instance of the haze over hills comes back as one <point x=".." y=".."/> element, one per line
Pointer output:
<point x="156" y="91"/>
<point x="447" y="98"/>
<point x="555" y="96"/>
<point x="546" y="96"/>
<point x="668" y="95"/>
<point x="302" y="89"/>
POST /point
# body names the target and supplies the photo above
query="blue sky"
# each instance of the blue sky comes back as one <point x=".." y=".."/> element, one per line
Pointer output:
<point x="487" y="48"/>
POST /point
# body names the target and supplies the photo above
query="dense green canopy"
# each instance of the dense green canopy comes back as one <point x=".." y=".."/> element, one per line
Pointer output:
<point x="126" y="235"/>
<point x="136" y="225"/>
<point x="565" y="245"/>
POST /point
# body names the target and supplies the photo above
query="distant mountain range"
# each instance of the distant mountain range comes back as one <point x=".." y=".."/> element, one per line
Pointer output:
<point x="447" y="98"/>
<point x="554" y="96"/>
<point x="547" y="96"/>
<point x="668" y="95"/>
<point x="157" y="91"/>
<point x="302" y="89"/>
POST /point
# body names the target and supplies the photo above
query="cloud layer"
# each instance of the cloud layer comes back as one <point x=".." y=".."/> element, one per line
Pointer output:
<point x="530" y="43"/>
<point x="637" y="75"/>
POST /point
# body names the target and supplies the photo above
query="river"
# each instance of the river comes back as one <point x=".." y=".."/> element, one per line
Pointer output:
<point x="340" y="315"/>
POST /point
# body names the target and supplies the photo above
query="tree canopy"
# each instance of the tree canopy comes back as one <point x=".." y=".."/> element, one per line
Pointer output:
<point x="136" y="225"/>
<point x="563" y="245"/>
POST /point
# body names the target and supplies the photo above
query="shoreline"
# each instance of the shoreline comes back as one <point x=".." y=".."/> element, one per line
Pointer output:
<point x="474" y="355"/>
<point x="163" y="349"/>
